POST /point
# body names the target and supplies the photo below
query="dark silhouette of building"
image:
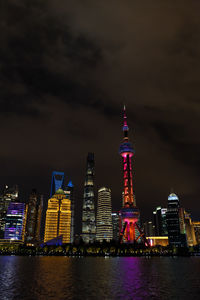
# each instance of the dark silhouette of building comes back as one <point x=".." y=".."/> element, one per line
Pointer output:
<point x="34" y="218"/>
<point x="149" y="228"/>
<point x="88" y="212"/>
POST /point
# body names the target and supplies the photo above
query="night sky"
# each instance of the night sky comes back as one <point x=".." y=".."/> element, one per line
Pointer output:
<point x="67" y="68"/>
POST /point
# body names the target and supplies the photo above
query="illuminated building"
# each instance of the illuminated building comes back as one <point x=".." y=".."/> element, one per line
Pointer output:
<point x="175" y="222"/>
<point x="88" y="213"/>
<point x="196" y="226"/>
<point x="9" y="194"/>
<point x="189" y="228"/>
<point x="58" y="217"/>
<point x="104" y="229"/>
<point x="158" y="240"/>
<point x="34" y="216"/>
<point x="115" y="225"/>
<point x="57" y="181"/>
<point x="16" y="221"/>
<point x="129" y="228"/>
<point x="4" y="242"/>
<point x="69" y="192"/>
<point x="159" y="221"/>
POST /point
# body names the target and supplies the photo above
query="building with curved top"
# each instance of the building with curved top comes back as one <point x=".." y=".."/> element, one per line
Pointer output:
<point x="58" y="217"/>
<point x="175" y="222"/>
<point x="104" y="216"/>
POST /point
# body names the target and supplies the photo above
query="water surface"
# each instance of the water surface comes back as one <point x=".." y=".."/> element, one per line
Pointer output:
<point x="39" y="278"/>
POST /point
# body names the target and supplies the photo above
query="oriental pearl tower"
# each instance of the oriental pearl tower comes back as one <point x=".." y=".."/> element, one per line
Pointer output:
<point x="130" y="231"/>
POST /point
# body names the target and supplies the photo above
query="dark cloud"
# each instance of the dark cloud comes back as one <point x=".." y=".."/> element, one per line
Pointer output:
<point x="66" y="69"/>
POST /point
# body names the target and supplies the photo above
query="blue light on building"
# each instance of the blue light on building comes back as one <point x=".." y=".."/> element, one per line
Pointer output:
<point x="57" y="182"/>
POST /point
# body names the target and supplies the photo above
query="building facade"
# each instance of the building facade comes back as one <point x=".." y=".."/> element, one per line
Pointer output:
<point x="104" y="229"/>
<point x="158" y="241"/>
<point x="149" y="228"/>
<point x="115" y="225"/>
<point x="196" y="225"/>
<point x="16" y="221"/>
<point x="159" y="221"/>
<point x="9" y="194"/>
<point x="69" y="192"/>
<point x="175" y="222"/>
<point x="58" y="218"/>
<point x="88" y="212"/>
<point x="190" y="232"/>
<point x="34" y="217"/>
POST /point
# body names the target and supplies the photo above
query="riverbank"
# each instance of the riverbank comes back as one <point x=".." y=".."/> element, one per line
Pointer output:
<point x="97" y="250"/>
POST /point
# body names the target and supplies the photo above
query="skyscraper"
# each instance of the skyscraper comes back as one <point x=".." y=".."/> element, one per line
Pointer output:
<point x="196" y="226"/>
<point x="9" y="194"/>
<point x="159" y="221"/>
<point x="69" y="192"/>
<point x="34" y="216"/>
<point x="57" y="181"/>
<point x="104" y="229"/>
<point x="58" y="217"/>
<point x="88" y="213"/>
<point x="115" y="225"/>
<point x="16" y="221"/>
<point x="149" y="228"/>
<point x="130" y="215"/>
<point x="189" y="228"/>
<point x="175" y="222"/>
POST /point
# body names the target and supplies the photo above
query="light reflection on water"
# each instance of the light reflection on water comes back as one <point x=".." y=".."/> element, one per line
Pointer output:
<point x="40" y="278"/>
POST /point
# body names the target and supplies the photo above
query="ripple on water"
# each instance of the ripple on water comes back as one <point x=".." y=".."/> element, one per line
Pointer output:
<point x="61" y="278"/>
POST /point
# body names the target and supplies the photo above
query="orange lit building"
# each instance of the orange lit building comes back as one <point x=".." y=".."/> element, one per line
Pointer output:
<point x="196" y="226"/>
<point x="158" y="240"/>
<point x="58" y="217"/>
<point x="190" y="232"/>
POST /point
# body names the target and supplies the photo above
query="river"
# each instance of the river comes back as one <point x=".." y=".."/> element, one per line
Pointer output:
<point x="39" y="278"/>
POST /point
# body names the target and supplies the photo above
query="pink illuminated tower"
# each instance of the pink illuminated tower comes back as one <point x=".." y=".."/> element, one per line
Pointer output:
<point x="130" y="231"/>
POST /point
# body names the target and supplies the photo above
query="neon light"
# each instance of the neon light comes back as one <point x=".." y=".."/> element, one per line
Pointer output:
<point x="15" y="221"/>
<point x="129" y="213"/>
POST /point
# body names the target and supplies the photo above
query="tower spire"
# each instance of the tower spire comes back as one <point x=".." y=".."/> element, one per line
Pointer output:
<point x="129" y="214"/>
<point x="125" y="125"/>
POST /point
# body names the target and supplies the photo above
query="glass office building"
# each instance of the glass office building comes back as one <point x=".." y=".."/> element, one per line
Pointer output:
<point x="15" y="221"/>
<point x="104" y="216"/>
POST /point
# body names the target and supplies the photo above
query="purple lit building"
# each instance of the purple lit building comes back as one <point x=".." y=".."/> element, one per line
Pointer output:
<point x="15" y="221"/>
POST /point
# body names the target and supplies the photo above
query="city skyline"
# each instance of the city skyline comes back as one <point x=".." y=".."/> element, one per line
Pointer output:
<point x="99" y="155"/>
<point x="64" y="84"/>
<point x="78" y="226"/>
